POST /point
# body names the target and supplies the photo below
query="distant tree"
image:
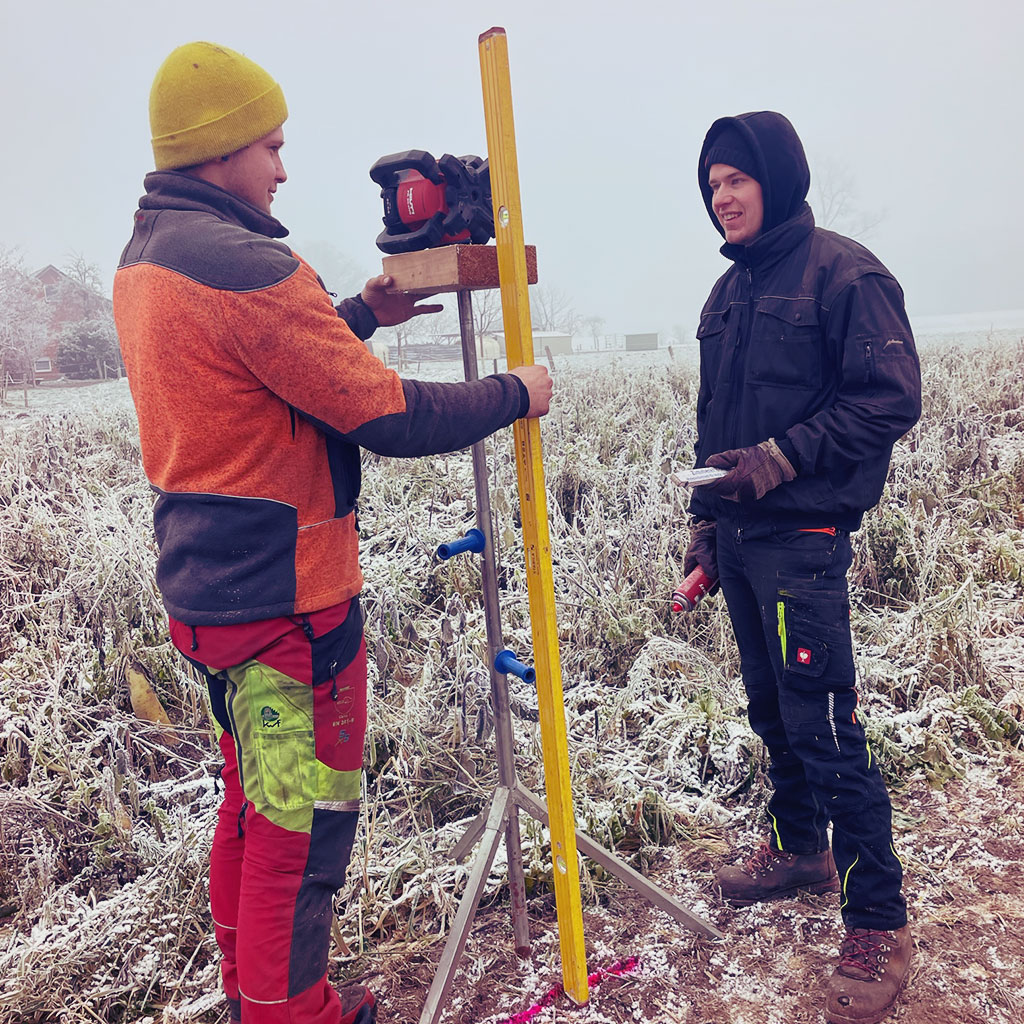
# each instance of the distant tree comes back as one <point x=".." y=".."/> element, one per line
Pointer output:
<point x="445" y="328"/>
<point x="834" y="201"/>
<point x="594" y="323"/>
<point x="442" y="328"/>
<point x="684" y="333"/>
<point x="402" y="336"/>
<point x="80" y="291"/>
<point x="552" y="310"/>
<point x="88" y="349"/>
<point x="83" y="272"/>
<point x="24" y="319"/>
<point x="487" y="312"/>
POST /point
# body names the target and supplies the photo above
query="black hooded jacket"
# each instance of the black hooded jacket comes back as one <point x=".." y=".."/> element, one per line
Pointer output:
<point x="804" y="339"/>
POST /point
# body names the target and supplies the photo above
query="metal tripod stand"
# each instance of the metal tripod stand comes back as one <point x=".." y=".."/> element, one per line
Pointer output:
<point x="501" y="817"/>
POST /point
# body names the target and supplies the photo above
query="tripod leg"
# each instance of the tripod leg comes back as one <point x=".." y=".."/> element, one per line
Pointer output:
<point x="461" y="849"/>
<point x="516" y="883"/>
<point x="437" y="997"/>
<point x="623" y="871"/>
<point x="504" y="741"/>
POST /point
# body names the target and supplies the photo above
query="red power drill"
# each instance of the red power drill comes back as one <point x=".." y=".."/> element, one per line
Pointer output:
<point x="691" y="590"/>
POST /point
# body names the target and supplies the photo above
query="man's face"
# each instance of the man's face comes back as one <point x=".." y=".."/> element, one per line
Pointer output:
<point x="738" y="203"/>
<point x="255" y="172"/>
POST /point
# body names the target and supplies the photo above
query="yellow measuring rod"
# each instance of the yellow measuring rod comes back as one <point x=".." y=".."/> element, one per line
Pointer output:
<point x="515" y="306"/>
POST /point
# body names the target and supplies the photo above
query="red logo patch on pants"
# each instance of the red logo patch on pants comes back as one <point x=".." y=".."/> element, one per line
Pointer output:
<point x="803" y="656"/>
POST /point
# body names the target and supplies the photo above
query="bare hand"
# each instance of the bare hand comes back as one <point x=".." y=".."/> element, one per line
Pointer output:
<point x="538" y="384"/>
<point x="392" y="308"/>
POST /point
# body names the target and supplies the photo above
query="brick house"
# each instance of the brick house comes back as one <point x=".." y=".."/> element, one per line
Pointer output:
<point x="69" y="302"/>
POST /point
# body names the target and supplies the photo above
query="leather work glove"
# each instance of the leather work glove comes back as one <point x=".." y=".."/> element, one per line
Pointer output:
<point x="703" y="549"/>
<point x="753" y="472"/>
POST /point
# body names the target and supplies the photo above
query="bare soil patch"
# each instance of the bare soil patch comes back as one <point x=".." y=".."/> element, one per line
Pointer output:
<point x="961" y="845"/>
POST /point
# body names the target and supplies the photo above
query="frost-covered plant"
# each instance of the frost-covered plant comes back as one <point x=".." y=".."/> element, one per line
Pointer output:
<point x="104" y="820"/>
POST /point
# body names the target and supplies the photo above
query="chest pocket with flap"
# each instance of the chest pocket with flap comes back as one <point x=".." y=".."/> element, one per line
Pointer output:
<point x="786" y="345"/>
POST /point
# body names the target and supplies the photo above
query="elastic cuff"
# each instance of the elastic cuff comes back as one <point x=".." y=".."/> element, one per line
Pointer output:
<point x="524" y="396"/>
<point x="787" y="449"/>
<point x="362" y="320"/>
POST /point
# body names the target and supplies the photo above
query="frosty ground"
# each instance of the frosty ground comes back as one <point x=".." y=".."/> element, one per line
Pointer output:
<point x="105" y="819"/>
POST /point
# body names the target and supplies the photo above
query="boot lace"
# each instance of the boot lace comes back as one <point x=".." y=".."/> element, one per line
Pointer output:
<point x="864" y="952"/>
<point x="761" y="860"/>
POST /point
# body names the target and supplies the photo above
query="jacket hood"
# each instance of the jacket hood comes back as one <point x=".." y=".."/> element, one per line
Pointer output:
<point x="782" y="170"/>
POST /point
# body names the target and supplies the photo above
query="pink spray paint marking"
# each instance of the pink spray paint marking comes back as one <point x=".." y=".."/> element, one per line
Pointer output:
<point x="616" y="970"/>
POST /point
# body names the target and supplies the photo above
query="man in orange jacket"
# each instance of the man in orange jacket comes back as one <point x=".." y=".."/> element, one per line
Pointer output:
<point x="254" y="394"/>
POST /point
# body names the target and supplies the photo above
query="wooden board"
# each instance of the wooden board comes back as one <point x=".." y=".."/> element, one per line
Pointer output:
<point x="450" y="268"/>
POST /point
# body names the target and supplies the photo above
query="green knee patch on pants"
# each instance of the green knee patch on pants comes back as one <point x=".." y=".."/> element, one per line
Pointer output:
<point x="273" y="724"/>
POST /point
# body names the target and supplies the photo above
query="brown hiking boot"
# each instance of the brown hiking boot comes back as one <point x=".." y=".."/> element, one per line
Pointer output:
<point x="872" y="968"/>
<point x="771" y="875"/>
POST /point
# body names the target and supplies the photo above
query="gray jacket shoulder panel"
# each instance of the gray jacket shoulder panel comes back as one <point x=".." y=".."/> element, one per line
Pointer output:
<point x="208" y="250"/>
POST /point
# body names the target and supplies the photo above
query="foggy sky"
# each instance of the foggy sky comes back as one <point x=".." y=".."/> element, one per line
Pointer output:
<point x="916" y="103"/>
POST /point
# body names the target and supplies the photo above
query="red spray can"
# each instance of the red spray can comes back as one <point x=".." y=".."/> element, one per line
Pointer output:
<point x="691" y="590"/>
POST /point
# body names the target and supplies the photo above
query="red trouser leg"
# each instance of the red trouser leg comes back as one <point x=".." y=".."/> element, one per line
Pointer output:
<point x="226" y="872"/>
<point x="300" y="749"/>
<point x="270" y="875"/>
<point x="268" y="922"/>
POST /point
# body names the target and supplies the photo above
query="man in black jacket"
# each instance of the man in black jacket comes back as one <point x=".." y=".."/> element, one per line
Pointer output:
<point x="808" y="377"/>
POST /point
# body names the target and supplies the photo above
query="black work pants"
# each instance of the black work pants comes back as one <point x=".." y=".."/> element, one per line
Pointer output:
<point x="788" y="601"/>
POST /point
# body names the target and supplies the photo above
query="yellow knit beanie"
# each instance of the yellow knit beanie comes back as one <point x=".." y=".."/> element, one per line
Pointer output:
<point x="208" y="101"/>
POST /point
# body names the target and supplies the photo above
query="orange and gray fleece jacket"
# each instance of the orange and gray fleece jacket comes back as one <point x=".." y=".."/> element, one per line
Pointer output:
<point x="253" y="396"/>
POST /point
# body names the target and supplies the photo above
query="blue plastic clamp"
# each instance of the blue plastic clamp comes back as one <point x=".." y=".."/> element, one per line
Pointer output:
<point x="474" y="540"/>
<point x="506" y="663"/>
